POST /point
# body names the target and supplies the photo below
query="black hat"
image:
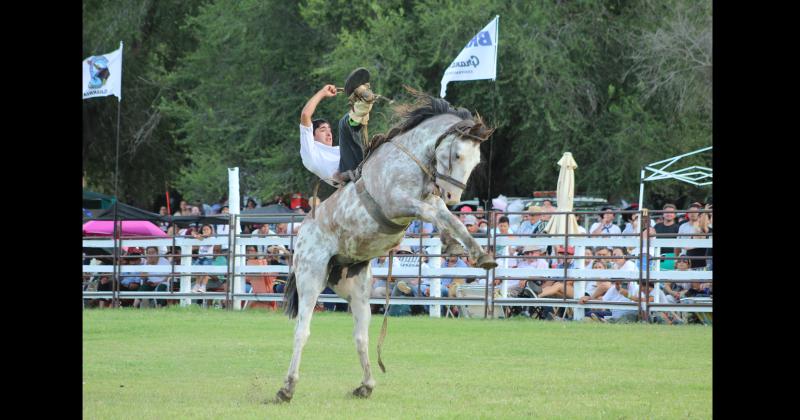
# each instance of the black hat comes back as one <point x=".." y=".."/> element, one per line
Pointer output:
<point x="355" y="79"/>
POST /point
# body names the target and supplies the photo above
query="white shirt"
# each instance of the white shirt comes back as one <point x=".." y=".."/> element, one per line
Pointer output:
<point x="321" y="159"/>
<point x="687" y="229"/>
<point x="612" y="229"/>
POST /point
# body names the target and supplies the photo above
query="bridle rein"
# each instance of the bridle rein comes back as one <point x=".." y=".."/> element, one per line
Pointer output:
<point x="460" y="129"/>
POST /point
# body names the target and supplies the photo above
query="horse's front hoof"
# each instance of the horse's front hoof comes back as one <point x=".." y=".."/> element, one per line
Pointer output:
<point x="282" y="396"/>
<point x="362" y="392"/>
<point x="486" y="262"/>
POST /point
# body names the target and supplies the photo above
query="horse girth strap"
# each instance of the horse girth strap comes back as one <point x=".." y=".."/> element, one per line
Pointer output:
<point x="384" y="224"/>
<point x="385" y="312"/>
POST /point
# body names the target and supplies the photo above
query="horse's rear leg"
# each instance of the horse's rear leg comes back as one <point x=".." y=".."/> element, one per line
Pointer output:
<point x="356" y="289"/>
<point x="310" y="280"/>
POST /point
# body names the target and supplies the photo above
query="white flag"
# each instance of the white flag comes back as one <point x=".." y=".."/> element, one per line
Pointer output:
<point x="102" y="75"/>
<point x="478" y="60"/>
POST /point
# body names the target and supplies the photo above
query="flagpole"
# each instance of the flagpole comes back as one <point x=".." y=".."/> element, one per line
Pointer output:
<point x="116" y="205"/>
<point x="494" y="110"/>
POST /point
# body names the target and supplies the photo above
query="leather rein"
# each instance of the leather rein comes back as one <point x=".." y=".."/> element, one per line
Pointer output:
<point x="459" y="129"/>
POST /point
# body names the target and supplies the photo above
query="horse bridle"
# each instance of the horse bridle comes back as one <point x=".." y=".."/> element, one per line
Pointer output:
<point x="459" y="129"/>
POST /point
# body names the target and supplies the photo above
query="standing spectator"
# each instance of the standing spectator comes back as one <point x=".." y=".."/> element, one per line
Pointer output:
<point x="668" y="228"/>
<point x="692" y="225"/>
<point x="606" y="224"/>
<point x="163" y="213"/>
<point x="184" y="209"/>
<point x="223" y="229"/>
<point x="251" y="204"/>
<point x="703" y="227"/>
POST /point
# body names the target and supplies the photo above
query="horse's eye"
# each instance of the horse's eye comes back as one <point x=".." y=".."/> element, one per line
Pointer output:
<point x="458" y="156"/>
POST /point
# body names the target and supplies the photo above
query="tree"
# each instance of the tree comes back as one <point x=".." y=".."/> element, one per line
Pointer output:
<point x="154" y="42"/>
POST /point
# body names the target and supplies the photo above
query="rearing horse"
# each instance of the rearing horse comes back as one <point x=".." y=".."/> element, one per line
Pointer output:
<point x="421" y="165"/>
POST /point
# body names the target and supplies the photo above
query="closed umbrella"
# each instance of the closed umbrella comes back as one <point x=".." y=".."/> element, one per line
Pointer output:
<point x="565" y="192"/>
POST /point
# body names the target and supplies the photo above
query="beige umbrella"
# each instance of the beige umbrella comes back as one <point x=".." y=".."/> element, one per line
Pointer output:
<point x="565" y="191"/>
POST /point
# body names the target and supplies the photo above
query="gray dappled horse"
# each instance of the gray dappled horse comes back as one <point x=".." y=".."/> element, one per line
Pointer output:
<point x="426" y="164"/>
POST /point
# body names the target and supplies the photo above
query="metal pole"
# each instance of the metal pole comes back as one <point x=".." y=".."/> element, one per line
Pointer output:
<point x="117" y="232"/>
<point x="644" y="220"/>
<point x="641" y="262"/>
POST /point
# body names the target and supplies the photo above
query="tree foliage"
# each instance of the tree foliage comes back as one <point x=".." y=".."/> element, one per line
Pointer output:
<point x="619" y="84"/>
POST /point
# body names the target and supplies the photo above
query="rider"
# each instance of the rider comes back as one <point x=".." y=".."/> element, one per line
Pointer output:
<point x="335" y="164"/>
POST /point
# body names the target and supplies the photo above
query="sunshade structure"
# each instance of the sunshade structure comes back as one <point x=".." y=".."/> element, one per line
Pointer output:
<point x="564" y="195"/>
<point x="129" y="228"/>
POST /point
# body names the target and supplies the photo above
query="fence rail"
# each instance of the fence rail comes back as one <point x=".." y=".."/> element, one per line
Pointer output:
<point x="235" y="269"/>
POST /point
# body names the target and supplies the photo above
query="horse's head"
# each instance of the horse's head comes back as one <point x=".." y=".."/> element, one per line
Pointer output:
<point x="457" y="154"/>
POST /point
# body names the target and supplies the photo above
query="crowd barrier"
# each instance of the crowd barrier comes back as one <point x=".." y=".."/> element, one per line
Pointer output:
<point x="236" y="269"/>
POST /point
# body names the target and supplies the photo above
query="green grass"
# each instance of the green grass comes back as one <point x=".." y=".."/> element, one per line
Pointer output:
<point x="195" y="363"/>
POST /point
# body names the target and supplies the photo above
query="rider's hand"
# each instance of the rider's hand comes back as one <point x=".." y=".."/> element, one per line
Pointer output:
<point x="328" y="91"/>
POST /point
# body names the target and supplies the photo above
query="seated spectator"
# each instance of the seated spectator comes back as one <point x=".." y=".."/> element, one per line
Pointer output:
<point x="532" y="222"/>
<point x="601" y="253"/>
<point x="217" y="281"/>
<point x="155" y="281"/>
<point x="557" y="289"/>
<point x="605" y="225"/>
<point x="452" y="260"/>
<point x="379" y="284"/>
<point x="259" y="282"/>
<point x="130" y="281"/>
<point x="471" y="223"/>
<point x="531" y="260"/>
<point x="104" y="284"/>
<point x="204" y="257"/>
<point x="594" y="291"/>
<point x="503" y="230"/>
<point x="588" y="262"/>
<point x="621" y="263"/>
<point x="407" y="287"/>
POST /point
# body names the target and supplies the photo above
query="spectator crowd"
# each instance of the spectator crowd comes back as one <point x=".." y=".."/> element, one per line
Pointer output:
<point x="696" y="222"/>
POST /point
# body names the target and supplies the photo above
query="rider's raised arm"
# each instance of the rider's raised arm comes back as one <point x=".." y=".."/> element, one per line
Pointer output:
<point x="307" y="113"/>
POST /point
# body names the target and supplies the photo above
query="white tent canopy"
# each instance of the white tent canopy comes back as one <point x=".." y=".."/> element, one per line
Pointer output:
<point x="695" y="175"/>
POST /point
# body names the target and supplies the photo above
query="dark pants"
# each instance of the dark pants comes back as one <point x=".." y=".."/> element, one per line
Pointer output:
<point x="350" y="147"/>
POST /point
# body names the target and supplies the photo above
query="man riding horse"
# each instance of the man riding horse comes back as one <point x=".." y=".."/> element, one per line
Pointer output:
<point x="412" y="172"/>
<point x="336" y="164"/>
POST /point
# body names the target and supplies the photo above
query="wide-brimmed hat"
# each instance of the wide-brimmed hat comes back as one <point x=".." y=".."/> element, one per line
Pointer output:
<point x="532" y="248"/>
<point x="355" y="79"/>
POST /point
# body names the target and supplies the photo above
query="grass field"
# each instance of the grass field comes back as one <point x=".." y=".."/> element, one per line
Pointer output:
<point x="195" y="363"/>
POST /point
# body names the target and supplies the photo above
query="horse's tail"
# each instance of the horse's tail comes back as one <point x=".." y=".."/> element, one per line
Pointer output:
<point x="290" y="298"/>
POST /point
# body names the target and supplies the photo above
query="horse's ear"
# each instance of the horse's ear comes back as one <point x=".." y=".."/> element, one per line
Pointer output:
<point x="480" y="130"/>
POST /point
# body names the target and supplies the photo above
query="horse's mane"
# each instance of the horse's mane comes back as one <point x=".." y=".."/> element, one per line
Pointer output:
<point x="411" y="115"/>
